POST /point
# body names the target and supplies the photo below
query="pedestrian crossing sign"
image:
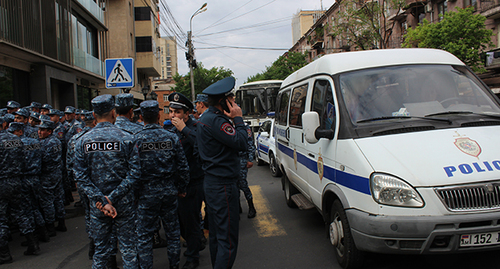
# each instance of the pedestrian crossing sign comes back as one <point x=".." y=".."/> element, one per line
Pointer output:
<point x="120" y="73"/>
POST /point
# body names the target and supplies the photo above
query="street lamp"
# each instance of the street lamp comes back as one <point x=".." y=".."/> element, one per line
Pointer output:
<point x="190" y="59"/>
<point x="145" y="91"/>
<point x="153" y="95"/>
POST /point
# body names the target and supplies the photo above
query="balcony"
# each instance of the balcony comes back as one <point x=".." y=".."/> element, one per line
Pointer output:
<point x="490" y="9"/>
<point x="88" y="62"/>
<point x="93" y="8"/>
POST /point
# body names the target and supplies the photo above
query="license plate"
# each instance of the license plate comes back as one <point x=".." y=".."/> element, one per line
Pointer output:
<point x="483" y="239"/>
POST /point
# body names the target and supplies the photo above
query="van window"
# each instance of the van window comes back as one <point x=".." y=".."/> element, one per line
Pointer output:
<point x="283" y="107"/>
<point x="322" y="102"/>
<point x="298" y="105"/>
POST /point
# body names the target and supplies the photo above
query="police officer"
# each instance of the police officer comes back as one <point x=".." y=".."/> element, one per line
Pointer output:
<point x="189" y="206"/>
<point x="106" y="167"/>
<point x="45" y="109"/>
<point x="35" y="106"/>
<point x="34" y="119"/>
<point x="22" y="115"/>
<point x="12" y="159"/>
<point x="12" y="106"/>
<point x="73" y="125"/>
<point x="219" y="142"/>
<point x="125" y="113"/>
<point x="165" y="175"/>
<point x="201" y="103"/>
<point x="51" y="177"/>
<point x="30" y="188"/>
<point x="246" y="162"/>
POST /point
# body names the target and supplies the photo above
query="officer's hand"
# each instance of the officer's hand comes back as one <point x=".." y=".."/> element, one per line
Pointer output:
<point x="182" y="195"/>
<point x="178" y="123"/>
<point x="249" y="164"/>
<point x="109" y="211"/>
<point x="234" y="109"/>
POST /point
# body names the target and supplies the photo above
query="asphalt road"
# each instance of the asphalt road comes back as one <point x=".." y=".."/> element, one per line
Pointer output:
<point x="279" y="237"/>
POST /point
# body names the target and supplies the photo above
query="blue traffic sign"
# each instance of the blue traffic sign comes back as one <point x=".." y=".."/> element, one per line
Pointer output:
<point x="120" y="73"/>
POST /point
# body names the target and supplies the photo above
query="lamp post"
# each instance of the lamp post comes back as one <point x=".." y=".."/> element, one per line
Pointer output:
<point x="145" y="91"/>
<point x="153" y="95"/>
<point x="190" y="53"/>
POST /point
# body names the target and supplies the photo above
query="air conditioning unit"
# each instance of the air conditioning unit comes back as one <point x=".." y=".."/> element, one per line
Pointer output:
<point x="428" y="8"/>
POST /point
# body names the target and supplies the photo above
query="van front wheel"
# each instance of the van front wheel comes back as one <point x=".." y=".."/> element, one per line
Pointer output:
<point x="289" y="191"/>
<point x="348" y="256"/>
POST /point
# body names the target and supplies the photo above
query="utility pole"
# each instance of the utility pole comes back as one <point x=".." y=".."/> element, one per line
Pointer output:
<point x="190" y="52"/>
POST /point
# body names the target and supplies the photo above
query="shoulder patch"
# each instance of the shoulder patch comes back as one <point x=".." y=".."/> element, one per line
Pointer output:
<point x="228" y="128"/>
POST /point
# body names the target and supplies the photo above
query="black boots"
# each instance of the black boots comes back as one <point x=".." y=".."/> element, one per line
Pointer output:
<point x="251" y="209"/>
<point x="51" y="229"/>
<point x="33" y="248"/>
<point x="61" y="225"/>
<point x="112" y="262"/>
<point x="43" y="234"/>
<point x="5" y="255"/>
<point x="91" y="249"/>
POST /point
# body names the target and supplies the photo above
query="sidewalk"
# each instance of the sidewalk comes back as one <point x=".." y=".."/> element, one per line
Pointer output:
<point x="71" y="210"/>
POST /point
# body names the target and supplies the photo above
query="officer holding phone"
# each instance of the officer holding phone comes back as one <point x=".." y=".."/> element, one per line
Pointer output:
<point x="219" y="142"/>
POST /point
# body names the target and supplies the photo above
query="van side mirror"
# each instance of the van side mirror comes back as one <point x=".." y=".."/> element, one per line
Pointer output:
<point x="310" y="122"/>
<point x="312" y="132"/>
<point x="264" y="134"/>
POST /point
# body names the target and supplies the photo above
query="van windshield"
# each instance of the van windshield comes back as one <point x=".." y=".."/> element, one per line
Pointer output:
<point x="414" y="91"/>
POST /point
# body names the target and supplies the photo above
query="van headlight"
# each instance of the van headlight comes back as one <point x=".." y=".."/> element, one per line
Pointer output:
<point x="389" y="190"/>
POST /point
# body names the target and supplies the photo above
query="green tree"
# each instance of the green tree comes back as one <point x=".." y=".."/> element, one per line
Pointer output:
<point x="282" y="67"/>
<point x="461" y="33"/>
<point x="365" y="24"/>
<point x="202" y="79"/>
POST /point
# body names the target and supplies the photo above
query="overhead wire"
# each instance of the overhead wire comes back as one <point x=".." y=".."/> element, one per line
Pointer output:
<point x="225" y="16"/>
<point x="266" y="23"/>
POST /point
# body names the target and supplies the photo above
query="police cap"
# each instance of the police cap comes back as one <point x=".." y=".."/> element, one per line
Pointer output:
<point x="46" y="106"/>
<point x="78" y="111"/>
<point x="36" y="105"/>
<point x="88" y="116"/>
<point x="35" y="115"/>
<point x="46" y="124"/>
<point x="44" y="117"/>
<point x="201" y="98"/>
<point x="150" y="108"/>
<point x="124" y="100"/>
<point x="53" y="112"/>
<point x="103" y="104"/>
<point x="178" y="100"/>
<point x="222" y="86"/>
<point x="15" y="126"/>
<point x="3" y="111"/>
<point x="23" y="112"/>
<point x="60" y="113"/>
<point x="69" y="110"/>
<point x="8" y="118"/>
<point x="13" y="104"/>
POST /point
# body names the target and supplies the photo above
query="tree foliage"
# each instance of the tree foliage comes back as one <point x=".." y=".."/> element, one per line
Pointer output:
<point x="364" y="24"/>
<point x="202" y="79"/>
<point x="282" y="67"/>
<point x="461" y="33"/>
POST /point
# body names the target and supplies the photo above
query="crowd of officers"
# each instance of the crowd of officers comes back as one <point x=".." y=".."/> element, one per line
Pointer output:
<point x="132" y="177"/>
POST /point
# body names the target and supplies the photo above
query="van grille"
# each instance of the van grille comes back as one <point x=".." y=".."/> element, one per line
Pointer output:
<point x="470" y="197"/>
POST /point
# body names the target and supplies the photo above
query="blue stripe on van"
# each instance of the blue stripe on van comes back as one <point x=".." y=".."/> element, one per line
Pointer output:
<point x="350" y="181"/>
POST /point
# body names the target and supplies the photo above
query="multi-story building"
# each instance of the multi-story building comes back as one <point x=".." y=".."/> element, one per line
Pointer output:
<point x="52" y="51"/>
<point x="134" y="33"/>
<point x="320" y="39"/>
<point x="163" y="87"/>
<point x="302" y="22"/>
<point x="168" y="56"/>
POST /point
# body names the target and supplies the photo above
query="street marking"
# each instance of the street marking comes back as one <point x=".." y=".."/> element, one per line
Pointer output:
<point x="265" y="223"/>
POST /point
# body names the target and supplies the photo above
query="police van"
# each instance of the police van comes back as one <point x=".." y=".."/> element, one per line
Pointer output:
<point x="396" y="148"/>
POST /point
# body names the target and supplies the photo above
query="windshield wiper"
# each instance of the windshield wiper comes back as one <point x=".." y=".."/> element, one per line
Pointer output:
<point x="402" y="117"/>
<point x="448" y="113"/>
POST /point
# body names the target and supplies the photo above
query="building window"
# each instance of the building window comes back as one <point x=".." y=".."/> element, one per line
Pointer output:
<point x="165" y="98"/>
<point x="168" y="58"/>
<point x="442" y="8"/>
<point x="165" y="110"/>
<point x="142" y="13"/>
<point x="144" y="44"/>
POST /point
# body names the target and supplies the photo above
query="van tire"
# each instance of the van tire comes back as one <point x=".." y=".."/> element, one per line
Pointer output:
<point x="348" y="256"/>
<point x="289" y="191"/>
<point x="275" y="170"/>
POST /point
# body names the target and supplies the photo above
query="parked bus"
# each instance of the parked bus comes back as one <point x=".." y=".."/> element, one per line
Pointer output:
<point x="257" y="99"/>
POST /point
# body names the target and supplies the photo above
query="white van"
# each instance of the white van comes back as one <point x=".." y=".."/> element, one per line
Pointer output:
<point x="398" y="149"/>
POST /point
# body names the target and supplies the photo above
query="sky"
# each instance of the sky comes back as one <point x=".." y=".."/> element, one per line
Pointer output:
<point x="255" y="24"/>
